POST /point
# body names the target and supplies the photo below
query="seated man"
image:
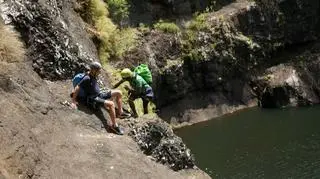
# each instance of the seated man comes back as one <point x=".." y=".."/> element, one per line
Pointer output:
<point x="88" y="93"/>
<point x="139" y="89"/>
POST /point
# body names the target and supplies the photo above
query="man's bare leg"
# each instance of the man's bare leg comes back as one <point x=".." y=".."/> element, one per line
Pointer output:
<point x="117" y="95"/>
<point x="109" y="105"/>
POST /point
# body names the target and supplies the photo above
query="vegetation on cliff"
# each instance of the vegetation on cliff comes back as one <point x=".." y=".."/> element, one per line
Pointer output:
<point x="111" y="40"/>
<point x="167" y="27"/>
<point x="11" y="48"/>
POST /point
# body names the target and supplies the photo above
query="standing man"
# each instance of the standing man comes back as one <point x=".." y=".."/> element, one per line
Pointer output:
<point x="139" y="89"/>
<point x="91" y="96"/>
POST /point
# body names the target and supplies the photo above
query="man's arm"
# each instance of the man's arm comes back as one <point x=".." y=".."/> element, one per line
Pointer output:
<point x="75" y="93"/>
<point x="119" y="83"/>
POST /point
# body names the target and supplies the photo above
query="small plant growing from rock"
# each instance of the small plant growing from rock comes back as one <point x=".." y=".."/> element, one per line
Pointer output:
<point x="199" y="22"/>
<point x="11" y="48"/>
<point x="168" y="27"/>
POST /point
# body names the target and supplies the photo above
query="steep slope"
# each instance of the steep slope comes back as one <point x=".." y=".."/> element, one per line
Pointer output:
<point x="42" y="138"/>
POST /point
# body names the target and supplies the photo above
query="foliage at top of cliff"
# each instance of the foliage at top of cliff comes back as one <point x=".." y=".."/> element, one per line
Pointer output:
<point x="111" y="40"/>
<point x="225" y="36"/>
<point x="119" y="11"/>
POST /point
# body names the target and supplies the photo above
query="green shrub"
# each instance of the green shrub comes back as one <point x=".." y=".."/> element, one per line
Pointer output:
<point x="123" y="40"/>
<point x="111" y="42"/>
<point x="190" y="36"/>
<point x="199" y="22"/>
<point x="104" y="27"/>
<point x="193" y="55"/>
<point x="168" y="27"/>
<point x="119" y="10"/>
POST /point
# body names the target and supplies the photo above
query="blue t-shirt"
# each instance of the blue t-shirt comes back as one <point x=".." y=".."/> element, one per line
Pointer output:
<point x="90" y="86"/>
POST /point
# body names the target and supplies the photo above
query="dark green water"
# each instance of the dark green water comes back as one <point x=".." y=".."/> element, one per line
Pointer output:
<point x="258" y="143"/>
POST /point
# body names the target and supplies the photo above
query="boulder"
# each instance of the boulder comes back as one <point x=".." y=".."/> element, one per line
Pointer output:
<point x="156" y="138"/>
<point x="283" y="86"/>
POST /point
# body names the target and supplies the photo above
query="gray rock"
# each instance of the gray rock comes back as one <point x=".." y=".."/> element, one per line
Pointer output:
<point x="157" y="139"/>
<point x="283" y="86"/>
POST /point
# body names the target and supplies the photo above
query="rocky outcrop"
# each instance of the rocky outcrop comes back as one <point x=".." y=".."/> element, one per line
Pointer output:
<point x="157" y="139"/>
<point x="282" y="86"/>
<point x="292" y="84"/>
<point x="57" y="42"/>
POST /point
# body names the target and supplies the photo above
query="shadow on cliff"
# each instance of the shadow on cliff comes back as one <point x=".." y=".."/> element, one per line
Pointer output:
<point x="205" y="105"/>
<point x="148" y="12"/>
<point x="99" y="113"/>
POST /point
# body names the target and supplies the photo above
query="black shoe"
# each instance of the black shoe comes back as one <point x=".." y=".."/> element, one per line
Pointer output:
<point x="124" y="115"/>
<point x="116" y="130"/>
<point x="134" y="115"/>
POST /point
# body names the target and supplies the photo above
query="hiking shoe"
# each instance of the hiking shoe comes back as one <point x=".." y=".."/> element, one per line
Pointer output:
<point x="116" y="130"/>
<point x="124" y="115"/>
<point x="134" y="115"/>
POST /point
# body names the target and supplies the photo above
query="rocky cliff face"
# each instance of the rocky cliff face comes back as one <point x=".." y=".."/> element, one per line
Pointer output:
<point x="238" y="43"/>
<point x="57" y="42"/>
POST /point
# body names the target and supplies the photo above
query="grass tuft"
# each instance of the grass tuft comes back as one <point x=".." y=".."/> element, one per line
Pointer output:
<point x="11" y="48"/>
<point x="168" y="27"/>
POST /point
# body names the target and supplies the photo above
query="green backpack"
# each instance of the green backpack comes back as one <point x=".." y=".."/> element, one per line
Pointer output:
<point x="144" y="72"/>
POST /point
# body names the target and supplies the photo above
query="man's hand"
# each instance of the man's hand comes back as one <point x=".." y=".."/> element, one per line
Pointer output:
<point x="127" y="88"/>
<point x="74" y="105"/>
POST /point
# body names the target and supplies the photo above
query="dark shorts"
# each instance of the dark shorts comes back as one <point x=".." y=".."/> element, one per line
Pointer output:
<point x="148" y="95"/>
<point x="96" y="101"/>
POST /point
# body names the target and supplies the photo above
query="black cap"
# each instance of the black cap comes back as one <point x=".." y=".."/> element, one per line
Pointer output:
<point x="95" y="65"/>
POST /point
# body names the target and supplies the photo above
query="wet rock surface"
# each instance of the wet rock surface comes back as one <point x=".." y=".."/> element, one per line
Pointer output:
<point x="56" y="40"/>
<point x="157" y="139"/>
